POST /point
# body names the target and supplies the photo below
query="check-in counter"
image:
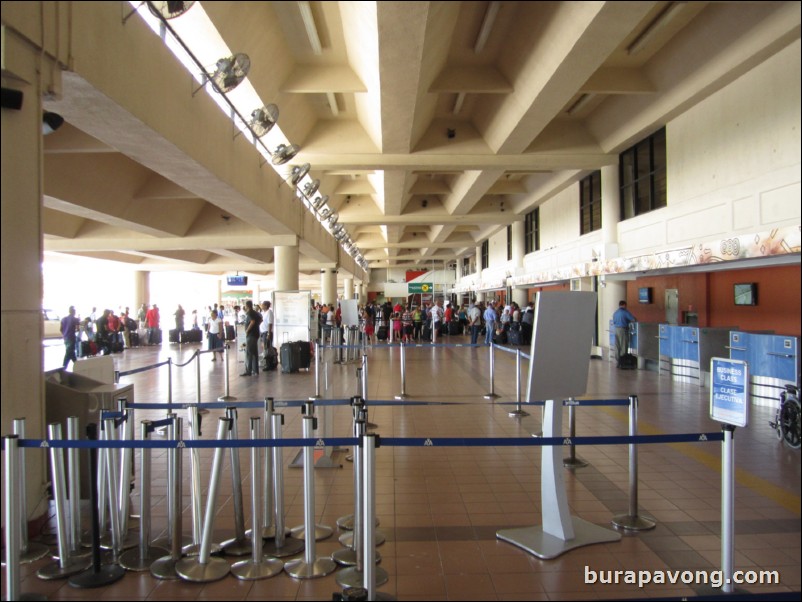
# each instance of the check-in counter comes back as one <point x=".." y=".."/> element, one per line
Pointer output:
<point x="645" y="343"/>
<point x="773" y="361"/>
<point x="685" y="351"/>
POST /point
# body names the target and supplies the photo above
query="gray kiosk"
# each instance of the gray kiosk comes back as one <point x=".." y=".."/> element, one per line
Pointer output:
<point x="560" y="355"/>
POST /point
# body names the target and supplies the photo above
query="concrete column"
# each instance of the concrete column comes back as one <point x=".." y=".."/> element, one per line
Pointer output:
<point x="142" y="288"/>
<point x="519" y="295"/>
<point x="328" y="286"/>
<point x="610" y="292"/>
<point x="479" y="260"/>
<point x="286" y="261"/>
<point x="611" y="206"/>
<point x="348" y="288"/>
<point x="21" y="324"/>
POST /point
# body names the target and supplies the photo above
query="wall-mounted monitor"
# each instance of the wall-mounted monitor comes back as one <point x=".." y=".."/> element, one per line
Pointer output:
<point x="237" y="280"/>
<point x="645" y="295"/>
<point x="745" y="294"/>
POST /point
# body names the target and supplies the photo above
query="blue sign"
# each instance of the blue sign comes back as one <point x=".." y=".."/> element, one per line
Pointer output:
<point x="729" y="399"/>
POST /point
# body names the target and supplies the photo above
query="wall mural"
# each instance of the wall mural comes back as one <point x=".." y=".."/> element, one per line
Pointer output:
<point x="779" y="241"/>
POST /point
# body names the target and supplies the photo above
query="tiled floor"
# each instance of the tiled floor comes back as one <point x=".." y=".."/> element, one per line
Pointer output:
<point x="440" y="507"/>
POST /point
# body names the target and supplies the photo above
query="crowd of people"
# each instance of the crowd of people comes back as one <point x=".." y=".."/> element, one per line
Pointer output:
<point x="110" y="332"/>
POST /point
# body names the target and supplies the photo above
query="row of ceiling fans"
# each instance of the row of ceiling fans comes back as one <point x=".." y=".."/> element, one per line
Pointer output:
<point x="228" y="74"/>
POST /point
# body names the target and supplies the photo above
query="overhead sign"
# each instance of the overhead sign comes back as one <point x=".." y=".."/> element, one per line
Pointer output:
<point x="729" y="400"/>
<point x="420" y="287"/>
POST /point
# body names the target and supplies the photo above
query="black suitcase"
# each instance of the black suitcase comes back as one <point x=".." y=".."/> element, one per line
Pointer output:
<point x="290" y="358"/>
<point x="426" y="333"/>
<point x="304" y="355"/>
<point x="231" y="332"/>
<point x="454" y="328"/>
<point x="155" y="336"/>
<point x="133" y="337"/>
<point x="174" y="335"/>
<point x="514" y="337"/>
<point x="500" y="338"/>
<point x="628" y="362"/>
<point x="381" y="333"/>
<point x="271" y="359"/>
<point x="190" y="336"/>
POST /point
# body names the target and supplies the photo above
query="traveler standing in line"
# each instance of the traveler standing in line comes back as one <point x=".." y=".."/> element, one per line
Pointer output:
<point x="69" y="325"/>
<point x="215" y="333"/>
<point x="475" y="321"/>
<point x="622" y="318"/>
<point x="266" y="329"/>
<point x="179" y="319"/>
<point x="152" y="319"/>
<point x="527" y="321"/>
<point x="140" y="316"/>
<point x="490" y="322"/>
<point x="252" y="320"/>
<point x="437" y="318"/>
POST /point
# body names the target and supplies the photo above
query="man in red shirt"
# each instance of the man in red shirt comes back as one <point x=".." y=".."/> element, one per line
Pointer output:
<point x="152" y="320"/>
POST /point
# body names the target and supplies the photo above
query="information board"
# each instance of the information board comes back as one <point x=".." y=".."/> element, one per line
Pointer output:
<point x="729" y="399"/>
<point x="291" y="315"/>
<point x="349" y="312"/>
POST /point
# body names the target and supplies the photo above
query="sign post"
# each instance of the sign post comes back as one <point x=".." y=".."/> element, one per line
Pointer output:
<point x="729" y="404"/>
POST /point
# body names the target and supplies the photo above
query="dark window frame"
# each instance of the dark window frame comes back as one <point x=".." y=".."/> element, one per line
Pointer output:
<point x="590" y="204"/>
<point x="642" y="176"/>
<point x="532" y="231"/>
<point x="509" y="242"/>
<point x="485" y="254"/>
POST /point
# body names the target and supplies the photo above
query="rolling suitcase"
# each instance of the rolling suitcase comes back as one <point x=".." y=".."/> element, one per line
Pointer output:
<point x="290" y="358"/>
<point x="628" y="362"/>
<point x="381" y="333"/>
<point x="426" y="334"/>
<point x="174" y="335"/>
<point x="454" y="328"/>
<point x="304" y="355"/>
<point x="514" y="337"/>
<point x="271" y="359"/>
<point x="133" y="336"/>
<point x="231" y="332"/>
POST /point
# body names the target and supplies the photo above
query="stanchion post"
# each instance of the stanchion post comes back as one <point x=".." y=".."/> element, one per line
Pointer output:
<point x="227" y="396"/>
<point x="164" y="567"/>
<point x="66" y="565"/>
<point x="492" y="393"/>
<point x="11" y="515"/>
<point x="518" y="412"/>
<point x="727" y="507"/>
<point x="238" y="545"/>
<point x="403" y="394"/>
<point x="317" y="370"/>
<point x="169" y="385"/>
<point x="281" y="546"/>
<point x="369" y="512"/>
<point x="31" y="551"/>
<point x="204" y="568"/>
<point x="257" y="567"/>
<point x="197" y="378"/>
<point x="268" y="529"/>
<point x="310" y="566"/>
<point x="632" y="521"/>
<point x="126" y="465"/>
<point x="572" y="461"/>
<point x="74" y="482"/>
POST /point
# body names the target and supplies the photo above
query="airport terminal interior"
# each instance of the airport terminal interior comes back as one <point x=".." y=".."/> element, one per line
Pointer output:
<point x="156" y="153"/>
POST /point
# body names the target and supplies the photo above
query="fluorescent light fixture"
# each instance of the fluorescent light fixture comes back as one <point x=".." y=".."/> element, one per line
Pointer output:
<point x="653" y="28"/>
<point x="311" y="28"/>
<point x="458" y="103"/>
<point x="581" y="103"/>
<point x="487" y="26"/>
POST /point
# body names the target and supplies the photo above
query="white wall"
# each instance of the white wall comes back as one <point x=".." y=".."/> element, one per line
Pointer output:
<point x="733" y="163"/>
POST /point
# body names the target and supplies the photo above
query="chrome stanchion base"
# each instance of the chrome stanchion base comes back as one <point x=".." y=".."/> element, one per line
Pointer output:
<point x="321" y="532"/>
<point x="226" y="398"/>
<point x="402" y="397"/>
<point x="36" y="551"/>
<point x="164" y="542"/>
<point x="353" y="577"/>
<point x="300" y="569"/>
<point x="491" y="396"/>
<point x="360" y="593"/>
<point x="192" y="570"/>
<point x="347" y="557"/>
<point x="55" y="570"/>
<point x="290" y="547"/>
<point x="193" y="549"/>
<point x="247" y="570"/>
<point x="75" y="556"/>
<point x="633" y="523"/>
<point x="268" y="532"/>
<point x="347" y="539"/>
<point x="130" y="540"/>
<point x="108" y="574"/>
<point x="346" y="523"/>
<point x="574" y="463"/>
<point x="236" y="547"/>
<point x="517" y="414"/>
<point x="132" y="559"/>
<point x="164" y="568"/>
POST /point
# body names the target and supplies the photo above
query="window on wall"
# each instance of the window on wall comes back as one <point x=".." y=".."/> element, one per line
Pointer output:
<point x="466" y="266"/>
<point x="485" y="254"/>
<point x="532" y="231"/>
<point x="643" y="176"/>
<point x="590" y="203"/>
<point x="509" y="243"/>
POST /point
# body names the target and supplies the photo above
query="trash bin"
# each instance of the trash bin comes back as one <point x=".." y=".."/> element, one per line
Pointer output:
<point x="69" y="394"/>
